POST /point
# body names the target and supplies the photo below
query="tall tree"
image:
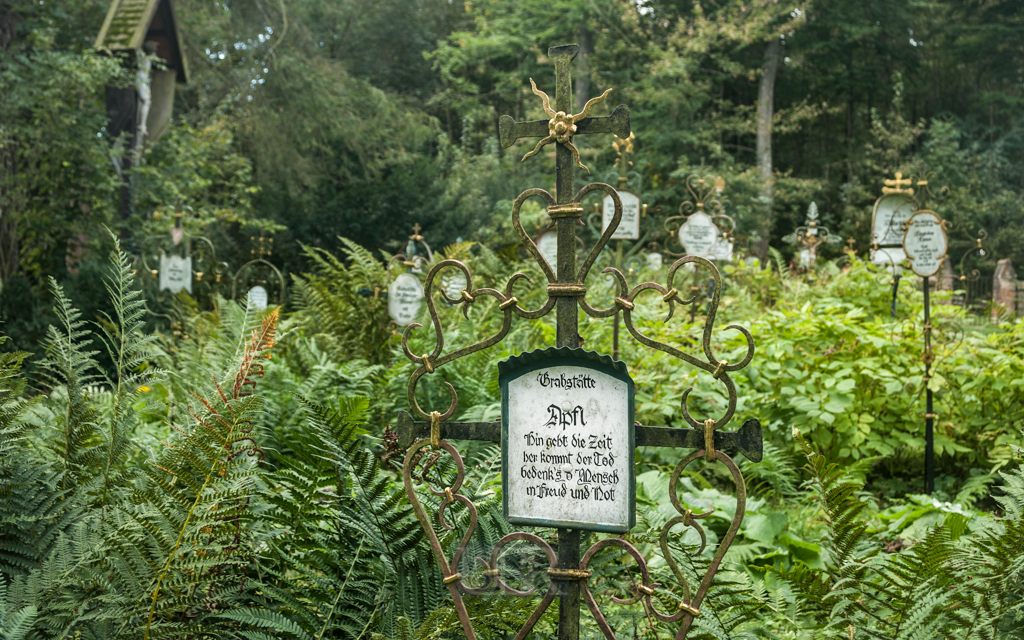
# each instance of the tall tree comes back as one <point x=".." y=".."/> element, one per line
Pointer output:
<point x="765" y="116"/>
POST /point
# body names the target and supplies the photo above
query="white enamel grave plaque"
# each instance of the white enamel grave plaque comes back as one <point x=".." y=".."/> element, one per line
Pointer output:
<point x="629" y="224"/>
<point x="699" y="234"/>
<point x="567" y="441"/>
<point x="891" y="211"/>
<point x="454" y="284"/>
<point x="722" y="250"/>
<point x="654" y="261"/>
<point x="405" y="297"/>
<point x="258" y="297"/>
<point x="547" y="244"/>
<point x="175" y="273"/>
<point x="890" y="258"/>
<point x="925" y="243"/>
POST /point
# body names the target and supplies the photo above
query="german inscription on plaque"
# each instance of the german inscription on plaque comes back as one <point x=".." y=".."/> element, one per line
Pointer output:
<point x="175" y="273"/>
<point x="925" y="243"/>
<point x="405" y="297"/>
<point x="699" y="235"/>
<point x="629" y="224"/>
<point x="567" y="441"/>
<point x="891" y="211"/>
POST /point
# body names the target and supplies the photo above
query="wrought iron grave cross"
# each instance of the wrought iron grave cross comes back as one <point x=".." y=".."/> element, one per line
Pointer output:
<point x="566" y="291"/>
<point x="561" y="128"/>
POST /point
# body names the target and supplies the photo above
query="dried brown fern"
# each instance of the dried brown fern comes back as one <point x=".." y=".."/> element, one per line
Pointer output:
<point x="225" y="423"/>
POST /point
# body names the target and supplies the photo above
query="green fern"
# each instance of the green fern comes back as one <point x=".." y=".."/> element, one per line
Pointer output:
<point x="174" y="547"/>
<point x="131" y="351"/>
<point x="344" y="302"/>
<point x="69" y="369"/>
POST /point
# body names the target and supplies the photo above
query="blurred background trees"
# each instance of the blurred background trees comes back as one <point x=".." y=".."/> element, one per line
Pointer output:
<point x="360" y="117"/>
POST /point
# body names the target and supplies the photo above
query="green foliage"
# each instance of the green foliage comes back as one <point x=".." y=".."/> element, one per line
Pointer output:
<point x="345" y="304"/>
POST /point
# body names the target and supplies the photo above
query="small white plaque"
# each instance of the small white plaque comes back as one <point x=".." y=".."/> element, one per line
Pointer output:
<point x="629" y="224"/>
<point x="699" y="234"/>
<point x="891" y="211"/>
<point x="258" y="297"/>
<point x="547" y="243"/>
<point x="454" y="284"/>
<point x="654" y="261"/>
<point x="925" y="243"/>
<point x="567" y="441"/>
<point x="722" y="250"/>
<point x="890" y="258"/>
<point x="405" y="297"/>
<point x="175" y="273"/>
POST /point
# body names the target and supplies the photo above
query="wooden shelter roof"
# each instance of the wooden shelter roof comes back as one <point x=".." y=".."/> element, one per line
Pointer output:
<point x="130" y="23"/>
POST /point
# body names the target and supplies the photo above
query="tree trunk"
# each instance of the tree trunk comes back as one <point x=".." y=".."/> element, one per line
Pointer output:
<point x="765" y="113"/>
<point x="9" y="21"/>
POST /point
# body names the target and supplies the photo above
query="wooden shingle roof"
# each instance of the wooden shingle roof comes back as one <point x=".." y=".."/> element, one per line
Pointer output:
<point x="130" y="23"/>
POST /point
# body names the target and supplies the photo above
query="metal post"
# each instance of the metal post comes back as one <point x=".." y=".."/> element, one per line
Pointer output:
<point x="615" y="322"/>
<point x="929" y="416"/>
<point x="567" y="325"/>
<point x="896" y="289"/>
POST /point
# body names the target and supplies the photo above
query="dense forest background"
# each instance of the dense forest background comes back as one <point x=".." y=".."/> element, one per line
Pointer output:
<point x="359" y="118"/>
<point x="184" y="467"/>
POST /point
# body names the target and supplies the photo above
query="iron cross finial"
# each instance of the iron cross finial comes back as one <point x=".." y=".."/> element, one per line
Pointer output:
<point x="563" y="125"/>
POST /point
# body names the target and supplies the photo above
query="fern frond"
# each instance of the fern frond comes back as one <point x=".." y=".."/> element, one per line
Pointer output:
<point x="131" y="350"/>
<point x="69" y="370"/>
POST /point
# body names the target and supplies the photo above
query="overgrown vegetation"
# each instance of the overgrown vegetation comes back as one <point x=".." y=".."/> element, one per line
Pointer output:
<point x="235" y="480"/>
<point x="213" y="471"/>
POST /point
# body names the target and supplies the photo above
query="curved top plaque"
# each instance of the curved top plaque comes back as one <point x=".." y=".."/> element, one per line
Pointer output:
<point x="890" y="212"/>
<point x="699" y="234"/>
<point x="567" y="441"/>
<point x="629" y="225"/>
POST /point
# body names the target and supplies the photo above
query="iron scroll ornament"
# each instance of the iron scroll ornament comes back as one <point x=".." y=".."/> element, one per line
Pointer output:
<point x="508" y="304"/>
<point x="567" y="571"/>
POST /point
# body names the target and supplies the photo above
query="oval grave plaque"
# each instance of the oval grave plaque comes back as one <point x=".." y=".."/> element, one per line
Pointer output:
<point x="629" y="224"/>
<point x="925" y="243"/>
<point x="699" y="234"/>
<point x="405" y="297"/>
<point x="454" y="284"/>
<point x="567" y="440"/>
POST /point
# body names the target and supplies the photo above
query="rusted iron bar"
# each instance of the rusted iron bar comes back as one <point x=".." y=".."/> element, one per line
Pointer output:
<point x="746" y="441"/>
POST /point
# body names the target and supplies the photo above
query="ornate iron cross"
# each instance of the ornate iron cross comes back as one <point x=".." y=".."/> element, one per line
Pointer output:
<point x="566" y="289"/>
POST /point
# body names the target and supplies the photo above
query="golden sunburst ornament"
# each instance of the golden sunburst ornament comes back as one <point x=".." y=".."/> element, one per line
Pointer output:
<point x="562" y="125"/>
